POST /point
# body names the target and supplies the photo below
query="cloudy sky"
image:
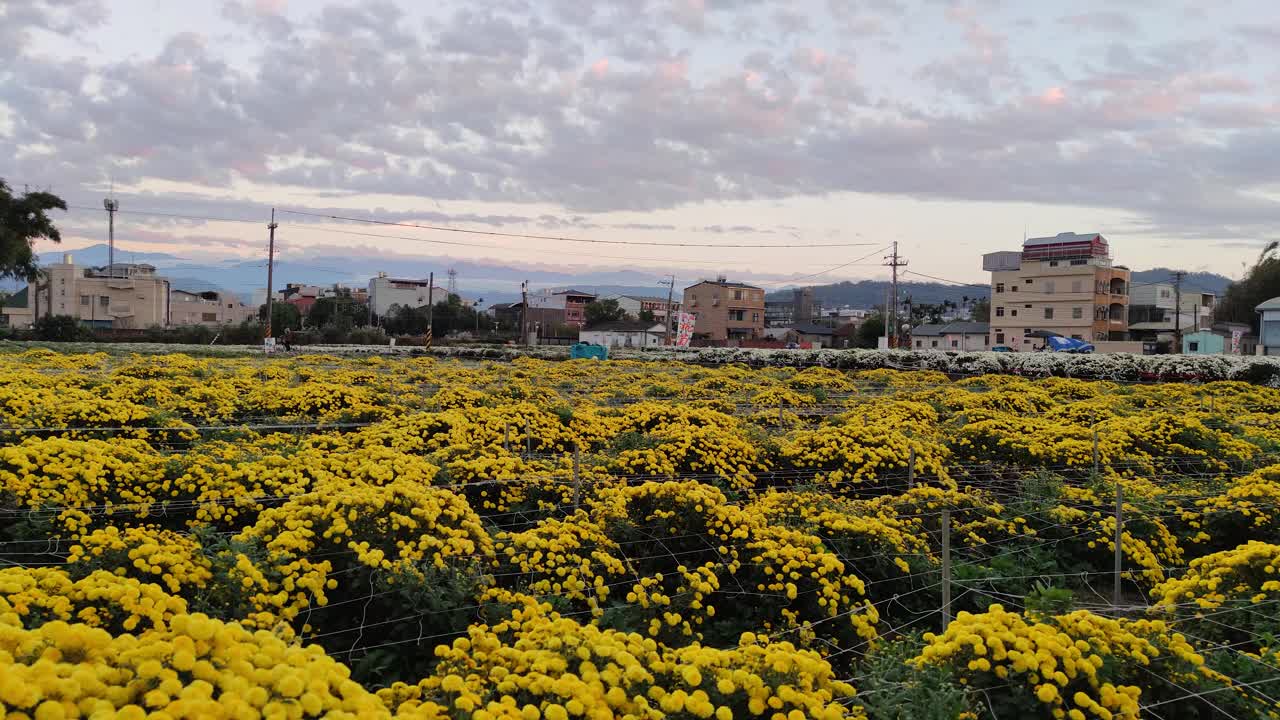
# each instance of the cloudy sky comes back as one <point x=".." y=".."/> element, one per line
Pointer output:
<point x="952" y="127"/>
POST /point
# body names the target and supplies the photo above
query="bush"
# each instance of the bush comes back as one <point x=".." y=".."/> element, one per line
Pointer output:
<point x="60" y="328"/>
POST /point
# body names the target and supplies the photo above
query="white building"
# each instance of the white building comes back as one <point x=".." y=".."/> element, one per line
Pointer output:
<point x="207" y="308"/>
<point x="633" y="305"/>
<point x="386" y="291"/>
<point x="1269" y="337"/>
<point x="624" y="334"/>
<point x="1152" y="314"/>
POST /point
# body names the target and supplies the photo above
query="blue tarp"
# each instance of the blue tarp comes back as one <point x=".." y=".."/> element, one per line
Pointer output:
<point x="1067" y="345"/>
<point x="588" y="350"/>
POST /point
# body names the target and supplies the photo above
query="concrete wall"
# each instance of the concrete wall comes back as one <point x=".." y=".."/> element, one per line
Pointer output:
<point x="610" y="338"/>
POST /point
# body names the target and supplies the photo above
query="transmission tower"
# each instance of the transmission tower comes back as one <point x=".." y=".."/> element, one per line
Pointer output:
<point x="453" y="281"/>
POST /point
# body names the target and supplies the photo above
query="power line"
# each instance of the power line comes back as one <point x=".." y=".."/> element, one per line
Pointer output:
<point x="355" y="233"/>
<point x="831" y="269"/>
<point x="942" y="279"/>
<point x="558" y="238"/>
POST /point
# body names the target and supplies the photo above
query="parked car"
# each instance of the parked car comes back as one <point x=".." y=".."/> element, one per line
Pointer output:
<point x="1001" y="348"/>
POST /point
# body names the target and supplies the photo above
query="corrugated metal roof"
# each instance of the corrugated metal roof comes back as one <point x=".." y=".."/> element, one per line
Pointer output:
<point x="1061" y="238"/>
<point x="1272" y="304"/>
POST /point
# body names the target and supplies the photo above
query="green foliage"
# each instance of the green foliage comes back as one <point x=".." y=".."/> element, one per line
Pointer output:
<point x="602" y="311"/>
<point x="23" y="220"/>
<point x="1260" y="283"/>
<point x="1049" y="600"/>
<point x="889" y="689"/>
<point x="60" y="328"/>
<point x="284" y="316"/>
<point x="982" y="310"/>
<point x="870" y="331"/>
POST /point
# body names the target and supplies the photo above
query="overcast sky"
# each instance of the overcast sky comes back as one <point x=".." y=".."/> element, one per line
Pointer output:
<point x="952" y="127"/>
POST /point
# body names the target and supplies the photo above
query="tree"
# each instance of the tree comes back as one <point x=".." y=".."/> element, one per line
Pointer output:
<point x="59" y="328"/>
<point x="284" y="316"/>
<point x="23" y="220"/>
<point x="603" y="311"/>
<point x="647" y="316"/>
<point x="328" y="310"/>
<point x="982" y="310"/>
<point x="870" y="331"/>
<point x="1260" y="283"/>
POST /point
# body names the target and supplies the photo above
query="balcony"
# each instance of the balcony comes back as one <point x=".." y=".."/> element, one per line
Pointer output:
<point x="120" y="310"/>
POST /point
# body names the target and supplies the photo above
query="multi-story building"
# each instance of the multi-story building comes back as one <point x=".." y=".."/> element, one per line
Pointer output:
<point x="1153" y="317"/>
<point x="1065" y="284"/>
<point x="126" y="295"/>
<point x="385" y="291"/>
<point x="725" y="310"/>
<point x="558" y="307"/>
<point x="636" y="304"/>
<point x="207" y="308"/>
<point x="799" y="309"/>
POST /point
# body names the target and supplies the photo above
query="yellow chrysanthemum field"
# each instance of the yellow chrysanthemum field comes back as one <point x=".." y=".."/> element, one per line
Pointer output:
<point x="318" y="535"/>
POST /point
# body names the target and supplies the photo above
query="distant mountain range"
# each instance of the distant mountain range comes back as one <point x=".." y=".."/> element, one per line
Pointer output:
<point x="870" y="293"/>
<point x="495" y="282"/>
<point x="492" y="281"/>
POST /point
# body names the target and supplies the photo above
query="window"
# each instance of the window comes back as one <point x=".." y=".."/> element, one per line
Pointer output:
<point x="1048" y="313"/>
<point x="1013" y="313"/>
<point x="1027" y="306"/>
<point x="1193" y="346"/>
<point x="104" y="300"/>
<point x="1048" y="287"/>
<point x="737" y="315"/>
<point x="935" y="343"/>
<point x="755" y="317"/>
<point x="737" y="294"/>
<point x="984" y="340"/>
<point x="1077" y="313"/>
<point x="230" y="306"/>
<point x="1075" y="286"/>
<point x="999" y="287"/>
<point x="999" y="338"/>
<point x="1026" y="331"/>
<point x="1013" y="288"/>
<point x="1081" y="261"/>
<point x="999" y="312"/>
<point x="1027" y="281"/>
<point x="955" y="343"/>
<point x="84" y="300"/>
<point x="919" y="343"/>
<point x="1053" y="263"/>
<point x="1164" y="294"/>
<point x="208" y="317"/>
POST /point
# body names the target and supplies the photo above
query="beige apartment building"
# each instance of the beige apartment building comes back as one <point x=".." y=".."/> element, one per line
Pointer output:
<point x="1065" y="284"/>
<point x="207" y="308"/>
<point x="725" y="310"/>
<point x="128" y="296"/>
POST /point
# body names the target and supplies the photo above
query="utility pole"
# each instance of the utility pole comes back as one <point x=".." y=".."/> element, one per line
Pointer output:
<point x="894" y="262"/>
<point x="671" y="288"/>
<point x="1177" y="311"/>
<point x="271" y="261"/>
<point x="475" y="309"/>
<point x="111" y="205"/>
<point x="431" y="299"/>
<point x="524" y="312"/>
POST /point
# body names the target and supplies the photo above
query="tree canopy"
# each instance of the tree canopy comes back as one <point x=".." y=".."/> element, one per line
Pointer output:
<point x="603" y="311"/>
<point x="23" y="220"/>
<point x="1260" y="283"/>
